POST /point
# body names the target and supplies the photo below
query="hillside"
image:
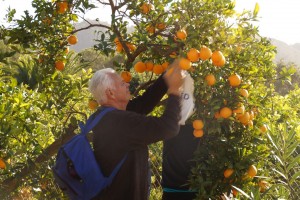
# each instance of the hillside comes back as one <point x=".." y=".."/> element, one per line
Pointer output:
<point x="86" y="38"/>
<point x="285" y="53"/>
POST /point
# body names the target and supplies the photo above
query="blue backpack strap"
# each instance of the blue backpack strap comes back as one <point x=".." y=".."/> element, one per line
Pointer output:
<point x="90" y="124"/>
<point x="93" y="121"/>
<point x="115" y="171"/>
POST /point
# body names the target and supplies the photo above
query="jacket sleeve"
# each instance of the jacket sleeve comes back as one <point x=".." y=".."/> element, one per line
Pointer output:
<point x="144" y="130"/>
<point x="145" y="103"/>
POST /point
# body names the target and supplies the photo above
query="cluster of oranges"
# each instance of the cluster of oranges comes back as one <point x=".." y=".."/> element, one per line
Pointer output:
<point x="60" y="63"/>
<point x="240" y="114"/>
<point x="198" y="126"/>
<point x="205" y="53"/>
<point x="147" y="66"/>
<point x="145" y="8"/>
<point x="119" y="47"/>
<point x="234" y="80"/>
<point x="250" y="173"/>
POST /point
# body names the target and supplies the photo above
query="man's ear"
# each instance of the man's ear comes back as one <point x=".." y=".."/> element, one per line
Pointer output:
<point x="109" y="93"/>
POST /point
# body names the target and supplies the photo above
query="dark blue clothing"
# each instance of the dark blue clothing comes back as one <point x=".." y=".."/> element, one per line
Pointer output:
<point x="178" y="153"/>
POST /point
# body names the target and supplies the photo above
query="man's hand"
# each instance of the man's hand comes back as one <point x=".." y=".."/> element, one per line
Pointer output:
<point x="174" y="78"/>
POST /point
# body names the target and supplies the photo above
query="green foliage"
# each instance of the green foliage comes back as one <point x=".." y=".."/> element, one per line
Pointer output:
<point x="32" y="118"/>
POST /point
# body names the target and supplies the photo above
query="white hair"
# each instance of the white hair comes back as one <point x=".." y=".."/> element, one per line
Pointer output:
<point x="101" y="80"/>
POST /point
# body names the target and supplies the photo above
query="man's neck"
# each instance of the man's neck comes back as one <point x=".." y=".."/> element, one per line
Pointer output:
<point x="119" y="106"/>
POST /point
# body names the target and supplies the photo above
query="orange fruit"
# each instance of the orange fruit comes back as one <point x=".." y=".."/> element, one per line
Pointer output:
<point x="198" y="133"/>
<point x="252" y="171"/>
<point x="263" y="185"/>
<point x="185" y="64"/>
<point x="146" y="8"/>
<point x="126" y="76"/>
<point x="205" y="53"/>
<point x="140" y="67"/>
<point x="225" y="112"/>
<point x="244" y="93"/>
<point x="250" y="123"/>
<point x="62" y="7"/>
<point x="193" y="55"/>
<point x="165" y="65"/>
<point x="217" y="115"/>
<point x="228" y="172"/>
<point x="220" y="63"/>
<point x="116" y="41"/>
<point x="2" y="164"/>
<point x="149" y="66"/>
<point x="234" y="192"/>
<point x="158" y="69"/>
<point x="245" y="118"/>
<point x="263" y="128"/>
<point x="216" y="56"/>
<point x="119" y="48"/>
<point x="161" y="26"/>
<point x="251" y="113"/>
<point x="198" y="124"/>
<point x="210" y="79"/>
<point x="234" y="80"/>
<point x="67" y="49"/>
<point x="72" y="39"/>
<point x="181" y="34"/>
<point x="93" y="104"/>
<point x="59" y="65"/>
<point x="130" y="46"/>
<point x="240" y="110"/>
<point x="150" y="29"/>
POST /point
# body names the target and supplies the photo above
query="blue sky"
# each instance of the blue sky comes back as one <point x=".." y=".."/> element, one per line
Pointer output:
<point x="279" y="19"/>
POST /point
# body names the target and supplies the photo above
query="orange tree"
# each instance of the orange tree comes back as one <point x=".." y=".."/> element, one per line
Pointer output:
<point x="230" y="102"/>
<point x="221" y="49"/>
<point x="43" y="94"/>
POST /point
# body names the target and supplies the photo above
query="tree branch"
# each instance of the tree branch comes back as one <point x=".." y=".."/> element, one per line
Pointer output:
<point x="90" y="26"/>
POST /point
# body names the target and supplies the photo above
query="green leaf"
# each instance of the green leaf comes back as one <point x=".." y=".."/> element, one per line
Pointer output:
<point x="295" y="161"/>
<point x="280" y="174"/>
<point x="271" y="140"/>
<point x="241" y="191"/>
<point x="295" y="177"/>
<point x="256" y="9"/>
<point x="291" y="148"/>
<point x="279" y="159"/>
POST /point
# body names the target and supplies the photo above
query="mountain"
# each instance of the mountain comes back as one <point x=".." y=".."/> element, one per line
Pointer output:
<point x="86" y="39"/>
<point x="287" y="53"/>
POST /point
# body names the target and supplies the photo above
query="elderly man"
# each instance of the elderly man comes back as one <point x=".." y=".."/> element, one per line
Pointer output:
<point x="128" y="130"/>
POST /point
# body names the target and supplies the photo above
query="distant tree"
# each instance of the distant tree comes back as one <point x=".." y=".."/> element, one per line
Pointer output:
<point x="288" y="78"/>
